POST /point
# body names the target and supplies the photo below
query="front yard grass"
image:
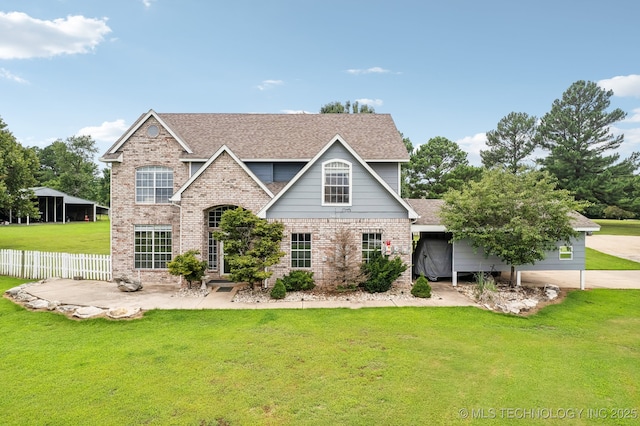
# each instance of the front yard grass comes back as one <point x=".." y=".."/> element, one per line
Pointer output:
<point x="73" y="237"/>
<point x="324" y="366"/>
<point x="598" y="261"/>
<point x="618" y="227"/>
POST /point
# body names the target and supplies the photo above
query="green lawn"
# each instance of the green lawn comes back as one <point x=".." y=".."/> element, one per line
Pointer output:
<point x="618" y="227"/>
<point x="397" y="366"/>
<point x="74" y="237"/>
<point x="599" y="261"/>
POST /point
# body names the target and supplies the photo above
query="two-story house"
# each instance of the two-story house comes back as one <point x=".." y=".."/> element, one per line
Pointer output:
<point x="173" y="175"/>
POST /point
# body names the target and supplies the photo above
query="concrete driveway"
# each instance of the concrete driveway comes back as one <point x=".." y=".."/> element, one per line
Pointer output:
<point x="627" y="247"/>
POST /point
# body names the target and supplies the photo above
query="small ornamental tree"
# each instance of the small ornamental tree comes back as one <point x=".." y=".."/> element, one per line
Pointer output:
<point x="344" y="261"/>
<point x="516" y="217"/>
<point x="251" y="245"/>
<point x="188" y="266"/>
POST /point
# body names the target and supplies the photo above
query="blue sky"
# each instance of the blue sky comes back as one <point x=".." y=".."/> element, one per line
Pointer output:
<point x="446" y="68"/>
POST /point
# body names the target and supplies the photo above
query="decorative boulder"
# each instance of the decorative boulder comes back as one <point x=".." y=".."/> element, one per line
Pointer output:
<point x="88" y="312"/>
<point x="127" y="285"/>
<point x="118" y="313"/>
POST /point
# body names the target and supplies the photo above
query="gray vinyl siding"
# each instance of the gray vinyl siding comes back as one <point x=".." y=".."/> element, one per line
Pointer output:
<point x="389" y="173"/>
<point x="369" y="199"/>
<point x="275" y="172"/>
<point x="466" y="260"/>
<point x="263" y="171"/>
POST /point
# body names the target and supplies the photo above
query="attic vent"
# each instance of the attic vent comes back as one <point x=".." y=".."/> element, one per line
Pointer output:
<point x="153" y="131"/>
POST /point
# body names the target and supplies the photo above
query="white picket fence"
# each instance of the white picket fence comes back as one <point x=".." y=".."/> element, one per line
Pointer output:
<point x="40" y="265"/>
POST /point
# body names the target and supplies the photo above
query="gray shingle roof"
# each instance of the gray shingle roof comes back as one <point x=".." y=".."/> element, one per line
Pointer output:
<point x="285" y="136"/>
<point x="428" y="210"/>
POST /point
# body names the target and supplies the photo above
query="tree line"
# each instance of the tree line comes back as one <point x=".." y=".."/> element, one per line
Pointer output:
<point x="573" y="143"/>
<point x="66" y="165"/>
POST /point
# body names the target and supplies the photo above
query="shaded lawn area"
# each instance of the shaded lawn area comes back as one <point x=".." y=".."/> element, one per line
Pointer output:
<point x="324" y="366"/>
<point x="74" y="237"/>
<point x="618" y="227"/>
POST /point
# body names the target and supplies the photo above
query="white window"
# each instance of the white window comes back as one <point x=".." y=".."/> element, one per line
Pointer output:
<point x="371" y="242"/>
<point x="152" y="247"/>
<point x="154" y="185"/>
<point x="336" y="183"/>
<point x="566" y="252"/>
<point x="300" y="250"/>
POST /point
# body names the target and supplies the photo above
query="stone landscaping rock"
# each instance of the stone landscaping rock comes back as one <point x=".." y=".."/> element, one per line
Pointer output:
<point x="13" y="292"/>
<point x="88" y="312"/>
<point x="127" y="285"/>
<point x="38" y="304"/>
<point x="551" y="291"/>
<point x="118" y="313"/>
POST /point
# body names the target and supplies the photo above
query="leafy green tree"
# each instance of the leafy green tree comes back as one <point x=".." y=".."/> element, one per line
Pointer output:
<point x="251" y="245"/>
<point x="516" y="217"/>
<point x="103" y="194"/>
<point x="346" y="108"/>
<point x="188" y="266"/>
<point x="615" y="212"/>
<point x="582" y="148"/>
<point x="513" y="140"/>
<point x="18" y="166"/>
<point x="68" y="166"/>
<point x="434" y="167"/>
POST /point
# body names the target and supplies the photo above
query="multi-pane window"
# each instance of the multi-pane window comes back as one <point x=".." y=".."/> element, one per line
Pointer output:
<point x="566" y="252"/>
<point x="336" y="187"/>
<point x="301" y="250"/>
<point x="216" y="214"/>
<point x="152" y="246"/>
<point x="213" y="253"/>
<point x="371" y="242"/>
<point x="154" y="185"/>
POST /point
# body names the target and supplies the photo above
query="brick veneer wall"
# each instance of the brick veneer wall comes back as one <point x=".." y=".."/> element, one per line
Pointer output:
<point x="141" y="150"/>
<point x="224" y="182"/>
<point x="322" y="231"/>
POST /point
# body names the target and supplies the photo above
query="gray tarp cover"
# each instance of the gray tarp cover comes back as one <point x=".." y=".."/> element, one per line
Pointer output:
<point x="432" y="257"/>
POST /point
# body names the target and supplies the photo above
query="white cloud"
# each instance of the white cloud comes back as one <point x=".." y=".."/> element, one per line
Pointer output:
<point x="371" y="102"/>
<point x="623" y="85"/>
<point x="472" y="146"/>
<point x="635" y="117"/>
<point x="372" y="70"/>
<point x="9" y="76"/>
<point x="109" y="131"/>
<point x="36" y="38"/>
<point x="295" y="111"/>
<point x="268" y="84"/>
<point x="148" y="3"/>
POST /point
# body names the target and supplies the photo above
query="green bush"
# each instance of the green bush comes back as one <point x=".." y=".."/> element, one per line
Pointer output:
<point x="421" y="288"/>
<point x="278" y="291"/>
<point x="298" y="280"/>
<point x="615" y="212"/>
<point x="381" y="272"/>
<point x="188" y="266"/>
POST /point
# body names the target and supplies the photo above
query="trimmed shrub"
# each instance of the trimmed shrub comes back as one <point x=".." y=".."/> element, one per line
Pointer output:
<point x="188" y="265"/>
<point x="421" y="288"/>
<point x="278" y="291"/>
<point x="298" y="280"/>
<point x="381" y="272"/>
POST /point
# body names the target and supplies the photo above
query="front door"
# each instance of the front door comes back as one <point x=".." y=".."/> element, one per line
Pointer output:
<point x="216" y="256"/>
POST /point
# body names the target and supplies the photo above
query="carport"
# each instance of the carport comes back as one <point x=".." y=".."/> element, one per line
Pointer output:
<point x="56" y="206"/>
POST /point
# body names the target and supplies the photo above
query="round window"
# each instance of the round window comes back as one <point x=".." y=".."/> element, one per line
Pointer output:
<point x="153" y="131"/>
